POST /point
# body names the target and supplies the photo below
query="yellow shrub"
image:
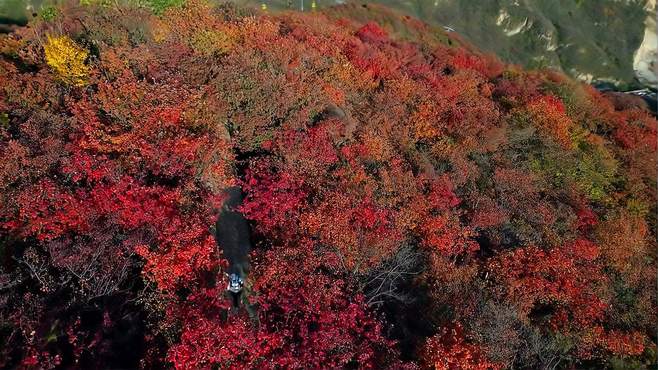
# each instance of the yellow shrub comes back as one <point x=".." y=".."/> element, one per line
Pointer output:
<point x="159" y="30"/>
<point x="209" y="42"/>
<point x="67" y="60"/>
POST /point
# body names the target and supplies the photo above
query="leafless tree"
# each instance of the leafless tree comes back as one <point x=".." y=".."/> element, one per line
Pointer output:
<point x="384" y="282"/>
<point x="9" y="280"/>
<point x="510" y="340"/>
<point x="36" y="266"/>
<point x="99" y="264"/>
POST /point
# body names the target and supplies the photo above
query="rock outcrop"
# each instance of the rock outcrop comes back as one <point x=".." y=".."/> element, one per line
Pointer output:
<point x="644" y="60"/>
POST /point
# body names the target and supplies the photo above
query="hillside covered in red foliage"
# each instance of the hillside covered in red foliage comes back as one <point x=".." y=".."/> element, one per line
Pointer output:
<point x="413" y="203"/>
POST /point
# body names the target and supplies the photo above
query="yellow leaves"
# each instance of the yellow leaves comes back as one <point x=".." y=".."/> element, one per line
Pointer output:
<point x="210" y="42"/>
<point x="405" y="88"/>
<point x="160" y="30"/>
<point x="194" y="24"/>
<point x="67" y="60"/>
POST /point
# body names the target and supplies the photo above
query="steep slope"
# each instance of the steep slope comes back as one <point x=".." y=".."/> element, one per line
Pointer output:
<point x="414" y="203"/>
<point x="592" y="40"/>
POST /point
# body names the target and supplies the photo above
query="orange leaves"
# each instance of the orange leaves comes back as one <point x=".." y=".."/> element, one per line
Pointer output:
<point x="336" y="95"/>
<point x="598" y="340"/>
<point x="623" y="241"/>
<point x="427" y="122"/>
<point x="259" y="33"/>
<point x="548" y="114"/>
<point x="442" y="235"/>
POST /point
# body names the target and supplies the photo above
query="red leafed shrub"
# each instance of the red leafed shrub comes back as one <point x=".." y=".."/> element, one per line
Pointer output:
<point x="487" y="65"/>
<point x="449" y="349"/>
<point x="636" y="131"/>
<point x="274" y="201"/>
<point x="370" y="60"/>
<point x="562" y="287"/>
<point x="441" y="195"/>
<point x="568" y="275"/>
<point x="323" y="317"/>
<point x="624" y="344"/>
<point x="306" y="319"/>
<point x="396" y="181"/>
<point x="586" y="219"/>
<point x="371" y="32"/>
<point x="465" y="60"/>
<point x="443" y="236"/>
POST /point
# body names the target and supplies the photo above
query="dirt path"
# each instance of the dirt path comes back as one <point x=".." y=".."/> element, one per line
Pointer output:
<point x="232" y="233"/>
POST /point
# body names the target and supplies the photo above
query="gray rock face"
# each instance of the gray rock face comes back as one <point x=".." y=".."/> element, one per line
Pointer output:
<point x="646" y="57"/>
<point x="17" y="11"/>
<point x="592" y="40"/>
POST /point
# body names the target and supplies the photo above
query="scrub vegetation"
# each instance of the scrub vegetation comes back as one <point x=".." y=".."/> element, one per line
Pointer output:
<point x="413" y="202"/>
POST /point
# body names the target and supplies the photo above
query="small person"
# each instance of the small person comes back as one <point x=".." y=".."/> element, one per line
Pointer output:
<point x="235" y="285"/>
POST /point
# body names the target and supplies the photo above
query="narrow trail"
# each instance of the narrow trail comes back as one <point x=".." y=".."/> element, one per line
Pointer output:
<point x="233" y="237"/>
<point x="232" y="233"/>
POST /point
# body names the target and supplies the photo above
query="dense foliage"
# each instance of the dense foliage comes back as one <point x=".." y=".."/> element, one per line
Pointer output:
<point x="414" y="203"/>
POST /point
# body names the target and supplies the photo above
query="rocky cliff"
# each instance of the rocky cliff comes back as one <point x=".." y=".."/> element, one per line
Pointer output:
<point x="644" y="59"/>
